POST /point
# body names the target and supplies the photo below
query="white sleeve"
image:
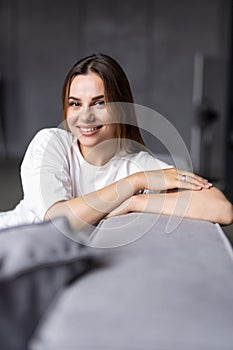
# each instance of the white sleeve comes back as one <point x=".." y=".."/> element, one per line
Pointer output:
<point x="45" y="171"/>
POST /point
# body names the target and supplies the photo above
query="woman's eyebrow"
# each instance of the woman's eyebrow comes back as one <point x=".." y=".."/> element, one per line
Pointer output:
<point x="97" y="97"/>
<point x="74" y="98"/>
<point x="93" y="98"/>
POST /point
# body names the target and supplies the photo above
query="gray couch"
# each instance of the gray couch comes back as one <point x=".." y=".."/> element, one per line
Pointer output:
<point x="140" y="281"/>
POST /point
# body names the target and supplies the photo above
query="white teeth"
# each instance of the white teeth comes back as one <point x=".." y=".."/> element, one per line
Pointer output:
<point x="88" y="129"/>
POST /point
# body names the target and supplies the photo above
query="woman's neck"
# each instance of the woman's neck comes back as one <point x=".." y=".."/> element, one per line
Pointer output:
<point x="101" y="153"/>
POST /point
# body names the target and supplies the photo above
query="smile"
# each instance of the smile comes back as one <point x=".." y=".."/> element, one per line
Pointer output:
<point x="85" y="129"/>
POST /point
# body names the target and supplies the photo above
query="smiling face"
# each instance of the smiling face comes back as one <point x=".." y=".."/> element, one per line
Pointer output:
<point x="87" y="115"/>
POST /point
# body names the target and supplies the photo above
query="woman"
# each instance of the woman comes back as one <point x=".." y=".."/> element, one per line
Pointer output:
<point x="98" y="166"/>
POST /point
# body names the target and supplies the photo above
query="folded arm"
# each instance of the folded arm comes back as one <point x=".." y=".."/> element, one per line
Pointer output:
<point x="92" y="207"/>
<point x="206" y="204"/>
<point x="89" y="209"/>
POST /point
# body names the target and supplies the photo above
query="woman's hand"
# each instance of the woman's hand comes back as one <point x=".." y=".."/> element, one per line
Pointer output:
<point x="168" y="179"/>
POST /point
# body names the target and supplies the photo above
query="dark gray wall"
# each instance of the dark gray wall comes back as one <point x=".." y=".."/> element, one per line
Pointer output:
<point x="154" y="40"/>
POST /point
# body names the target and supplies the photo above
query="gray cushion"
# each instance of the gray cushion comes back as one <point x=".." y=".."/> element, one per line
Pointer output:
<point x="164" y="291"/>
<point x="36" y="262"/>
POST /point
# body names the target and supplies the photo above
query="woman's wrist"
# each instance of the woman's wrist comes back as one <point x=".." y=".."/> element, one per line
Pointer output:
<point x="137" y="181"/>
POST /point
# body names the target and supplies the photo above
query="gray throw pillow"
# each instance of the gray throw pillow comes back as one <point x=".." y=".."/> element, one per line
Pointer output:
<point x="36" y="262"/>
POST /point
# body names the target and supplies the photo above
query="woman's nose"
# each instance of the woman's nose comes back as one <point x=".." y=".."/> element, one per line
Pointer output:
<point x="87" y="115"/>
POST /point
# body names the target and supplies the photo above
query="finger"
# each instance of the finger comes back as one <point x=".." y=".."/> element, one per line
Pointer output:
<point x="192" y="175"/>
<point x="189" y="182"/>
<point x="194" y="185"/>
<point x="197" y="182"/>
<point x="193" y="178"/>
<point x="199" y="179"/>
<point x="189" y="185"/>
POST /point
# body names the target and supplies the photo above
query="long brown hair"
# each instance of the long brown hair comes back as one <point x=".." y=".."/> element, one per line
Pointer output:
<point x="117" y="89"/>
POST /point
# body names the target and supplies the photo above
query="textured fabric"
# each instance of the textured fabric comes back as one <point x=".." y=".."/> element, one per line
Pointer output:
<point x="164" y="291"/>
<point x="36" y="262"/>
<point x="54" y="170"/>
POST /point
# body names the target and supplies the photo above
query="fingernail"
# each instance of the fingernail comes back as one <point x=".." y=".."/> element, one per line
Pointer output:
<point x="208" y="185"/>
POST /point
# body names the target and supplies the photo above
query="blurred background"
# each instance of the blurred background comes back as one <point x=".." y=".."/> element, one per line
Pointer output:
<point x="176" y="53"/>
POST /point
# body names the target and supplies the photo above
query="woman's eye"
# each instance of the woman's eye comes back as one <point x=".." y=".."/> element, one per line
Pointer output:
<point x="99" y="103"/>
<point x="74" y="104"/>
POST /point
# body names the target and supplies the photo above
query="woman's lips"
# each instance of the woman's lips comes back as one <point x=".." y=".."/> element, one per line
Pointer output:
<point x="89" y="130"/>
